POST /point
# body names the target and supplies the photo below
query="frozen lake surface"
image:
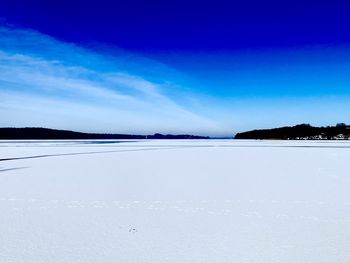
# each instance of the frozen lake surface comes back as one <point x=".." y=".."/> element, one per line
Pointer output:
<point x="175" y="201"/>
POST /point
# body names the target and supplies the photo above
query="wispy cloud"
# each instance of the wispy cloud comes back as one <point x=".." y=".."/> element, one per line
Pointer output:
<point x="47" y="82"/>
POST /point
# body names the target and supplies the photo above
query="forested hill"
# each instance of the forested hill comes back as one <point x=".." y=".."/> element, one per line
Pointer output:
<point x="299" y="132"/>
<point x="52" y="134"/>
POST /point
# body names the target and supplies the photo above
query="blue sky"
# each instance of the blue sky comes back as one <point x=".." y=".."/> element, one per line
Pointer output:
<point x="177" y="67"/>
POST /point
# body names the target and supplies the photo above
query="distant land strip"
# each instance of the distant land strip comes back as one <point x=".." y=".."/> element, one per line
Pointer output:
<point x="299" y="132"/>
<point x="33" y="133"/>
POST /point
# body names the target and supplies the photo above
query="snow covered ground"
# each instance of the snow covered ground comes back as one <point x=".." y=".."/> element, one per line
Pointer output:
<point x="175" y="201"/>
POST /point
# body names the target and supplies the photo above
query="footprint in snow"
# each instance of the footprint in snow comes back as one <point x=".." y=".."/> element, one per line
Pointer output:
<point x="133" y="230"/>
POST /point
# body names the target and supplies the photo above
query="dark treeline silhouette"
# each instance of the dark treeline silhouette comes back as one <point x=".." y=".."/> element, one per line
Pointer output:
<point x="301" y="131"/>
<point x="52" y="134"/>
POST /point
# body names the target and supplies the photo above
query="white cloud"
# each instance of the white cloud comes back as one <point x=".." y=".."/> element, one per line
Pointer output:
<point x="46" y="82"/>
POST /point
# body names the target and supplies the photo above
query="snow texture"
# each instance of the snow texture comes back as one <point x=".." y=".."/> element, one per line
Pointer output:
<point x="174" y="201"/>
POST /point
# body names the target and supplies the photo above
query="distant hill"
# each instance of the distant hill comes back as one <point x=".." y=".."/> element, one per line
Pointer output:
<point x="299" y="132"/>
<point x="52" y="134"/>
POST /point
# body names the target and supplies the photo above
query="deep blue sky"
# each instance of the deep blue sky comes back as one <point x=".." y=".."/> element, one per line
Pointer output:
<point x="213" y="67"/>
<point x="148" y="26"/>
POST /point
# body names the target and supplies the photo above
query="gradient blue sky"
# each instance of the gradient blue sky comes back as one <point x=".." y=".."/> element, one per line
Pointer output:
<point x="201" y="67"/>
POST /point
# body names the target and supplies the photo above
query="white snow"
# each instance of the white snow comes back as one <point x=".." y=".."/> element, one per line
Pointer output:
<point x="175" y="201"/>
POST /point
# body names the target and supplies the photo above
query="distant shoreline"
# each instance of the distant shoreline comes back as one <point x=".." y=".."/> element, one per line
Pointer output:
<point x="299" y="132"/>
<point x="34" y="133"/>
